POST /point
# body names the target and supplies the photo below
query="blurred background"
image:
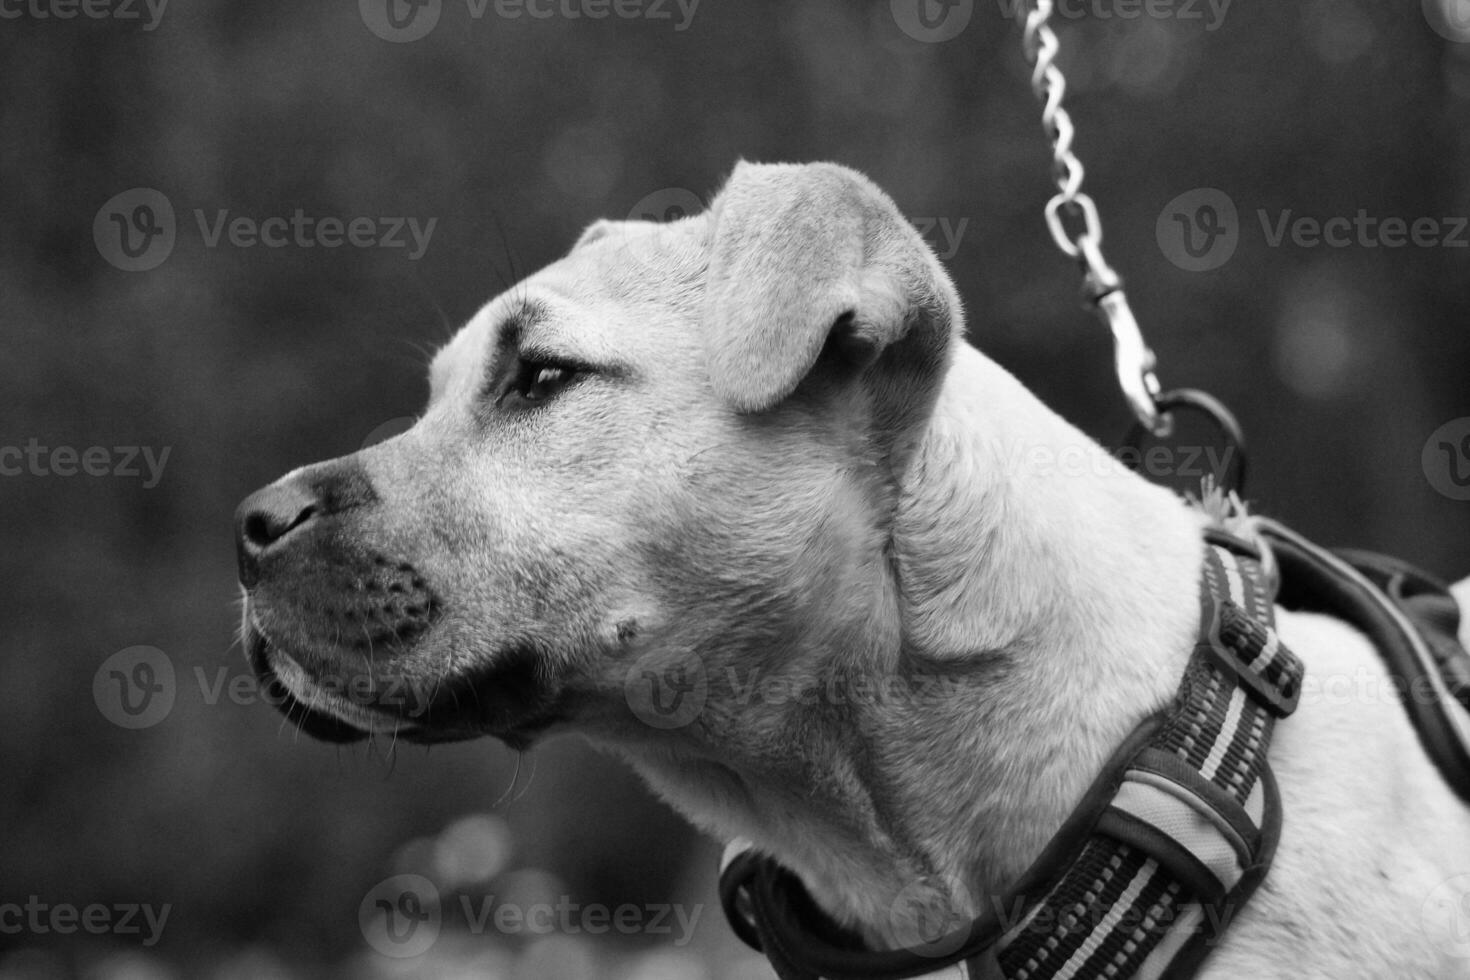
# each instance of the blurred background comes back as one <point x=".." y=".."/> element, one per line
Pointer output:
<point x="138" y="318"/>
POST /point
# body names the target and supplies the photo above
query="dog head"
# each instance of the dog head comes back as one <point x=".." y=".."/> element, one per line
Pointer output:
<point x="675" y="450"/>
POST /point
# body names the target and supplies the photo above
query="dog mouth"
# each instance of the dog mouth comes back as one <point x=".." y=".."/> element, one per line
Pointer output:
<point x="348" y="708"/>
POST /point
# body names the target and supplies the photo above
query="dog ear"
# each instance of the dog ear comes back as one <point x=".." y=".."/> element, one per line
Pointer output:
<point x="807" y="258"/>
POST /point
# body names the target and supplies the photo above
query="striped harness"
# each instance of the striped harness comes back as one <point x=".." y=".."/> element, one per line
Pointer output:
<point x="1180" y="828"/>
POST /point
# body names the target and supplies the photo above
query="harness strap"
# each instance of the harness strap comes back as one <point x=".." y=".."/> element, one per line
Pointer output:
<point x="1411" y="620"/>
<point x="1169" y="842"/>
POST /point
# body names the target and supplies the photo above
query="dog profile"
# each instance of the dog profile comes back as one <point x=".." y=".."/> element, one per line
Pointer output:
<point x="700" y="490"/>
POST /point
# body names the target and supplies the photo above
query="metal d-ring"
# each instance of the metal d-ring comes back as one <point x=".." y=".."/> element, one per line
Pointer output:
<point x="1192" y="399"/>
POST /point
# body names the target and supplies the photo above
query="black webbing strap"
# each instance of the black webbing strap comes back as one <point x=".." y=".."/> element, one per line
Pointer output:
<point x="1412" y="621"/>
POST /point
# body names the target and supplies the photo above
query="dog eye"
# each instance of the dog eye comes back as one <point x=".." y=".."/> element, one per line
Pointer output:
<point x="537" y="381"/>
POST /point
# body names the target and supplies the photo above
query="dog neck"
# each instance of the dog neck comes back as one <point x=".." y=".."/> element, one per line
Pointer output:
<point x="1055" y="595"/>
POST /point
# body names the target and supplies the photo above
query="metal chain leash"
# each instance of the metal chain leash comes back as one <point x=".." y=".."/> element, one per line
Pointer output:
<point x="1102" y="287"/>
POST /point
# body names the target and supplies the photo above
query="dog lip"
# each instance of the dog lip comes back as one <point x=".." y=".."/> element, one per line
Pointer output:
<point x="519" y="739"/>
<point x="432" y="728"/>
<point x="435" y="736"/>
<point x="506" y="696"/>
<point x="318" y="724"/>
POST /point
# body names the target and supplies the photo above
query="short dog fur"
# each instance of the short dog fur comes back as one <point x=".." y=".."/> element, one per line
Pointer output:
<point x="753" y="441"/>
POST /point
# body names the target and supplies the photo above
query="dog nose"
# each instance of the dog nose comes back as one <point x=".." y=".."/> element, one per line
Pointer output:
<point x="266" y="517"/>
<point x="270" y="519"/>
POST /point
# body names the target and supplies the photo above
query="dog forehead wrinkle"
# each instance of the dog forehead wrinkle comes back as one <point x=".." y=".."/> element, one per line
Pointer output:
<point x="634" y="292"/>
<point x="544" y="313"/>
<point x="510" y="332"/>
<point x="583" y="336"/>
<point x="587" y="319"/>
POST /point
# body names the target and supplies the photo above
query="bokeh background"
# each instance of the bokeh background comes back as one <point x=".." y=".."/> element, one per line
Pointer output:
<point x="511" y="132"/>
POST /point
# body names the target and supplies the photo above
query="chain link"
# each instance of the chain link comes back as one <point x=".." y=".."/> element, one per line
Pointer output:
<point x="1039" y="42"/>
<point x="1101" y="285"/>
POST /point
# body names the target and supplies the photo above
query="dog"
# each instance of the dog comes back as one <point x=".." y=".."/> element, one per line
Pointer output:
<point x="748" y="458"/>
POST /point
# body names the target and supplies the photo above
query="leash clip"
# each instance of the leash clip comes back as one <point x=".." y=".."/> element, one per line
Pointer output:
<point x="1231" y="477"/>
<point x="1135" y="363"/>
<point x="1132" y="357"/>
